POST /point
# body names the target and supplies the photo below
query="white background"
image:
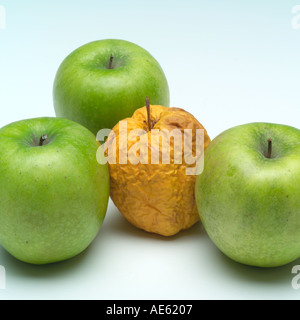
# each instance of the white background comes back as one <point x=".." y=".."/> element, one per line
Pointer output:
<point x="227" y="62"/>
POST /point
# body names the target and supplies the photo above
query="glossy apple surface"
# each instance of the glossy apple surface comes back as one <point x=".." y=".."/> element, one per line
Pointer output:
<point x="248" y="195"/>
<point x="53" y="192"/>
<point x="98" y="93"/>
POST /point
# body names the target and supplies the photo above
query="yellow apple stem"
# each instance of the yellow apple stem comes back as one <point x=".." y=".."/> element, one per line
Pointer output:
<point x="148" y="114"/>
<point x="269" y="154"/>
<point x="110" y="61"/>
<point x="43" y="138"/>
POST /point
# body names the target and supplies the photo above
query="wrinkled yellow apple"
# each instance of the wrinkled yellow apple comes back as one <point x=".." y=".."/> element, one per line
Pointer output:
<point x="152" y="193"/>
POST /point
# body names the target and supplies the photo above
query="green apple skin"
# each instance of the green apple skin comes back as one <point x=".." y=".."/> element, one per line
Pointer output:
<point x="54" y="197"/>
<point x="85" y="90"/>
<point x="250" y="204"/>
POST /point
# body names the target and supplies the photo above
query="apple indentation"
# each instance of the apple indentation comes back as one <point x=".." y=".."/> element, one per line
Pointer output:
<point x="39" y="140"/>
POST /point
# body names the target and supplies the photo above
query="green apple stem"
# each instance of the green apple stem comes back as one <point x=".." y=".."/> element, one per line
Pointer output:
<point x="269" y="154"/>
<point x="111" y="61"/>
<point x="43" y="138"/>
<point x="148" y="114"/>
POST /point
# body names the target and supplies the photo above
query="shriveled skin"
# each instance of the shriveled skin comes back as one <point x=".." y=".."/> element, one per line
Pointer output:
<point x="158" y="198"/>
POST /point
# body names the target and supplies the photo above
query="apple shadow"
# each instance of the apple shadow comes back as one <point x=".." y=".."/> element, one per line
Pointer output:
<point x="120" y="225"/>
<point x="241" y="272"/>
<point x="19" y="268"/>
<point x="269" y="276"/>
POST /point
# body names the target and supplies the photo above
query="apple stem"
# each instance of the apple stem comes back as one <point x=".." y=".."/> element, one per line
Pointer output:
<point x="148" y="114"/>
<point x="269" y="154"/>
<point x="43" y="138"/>
<point x="110" y="61"/>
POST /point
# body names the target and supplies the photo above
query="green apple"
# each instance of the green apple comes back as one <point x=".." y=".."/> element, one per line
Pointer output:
<point x="248" y="195"/>
<point x="53" y="192"/>
<point x="105" y="81"/>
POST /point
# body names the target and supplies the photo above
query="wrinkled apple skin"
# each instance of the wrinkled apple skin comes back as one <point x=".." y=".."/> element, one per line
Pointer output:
<point x="158" y="198"/>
